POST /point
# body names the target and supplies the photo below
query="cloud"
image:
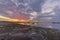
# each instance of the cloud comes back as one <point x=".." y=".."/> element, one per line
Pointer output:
<point x="41" y="10"/>
<point x="36" y="5"/>
<point x="52" y="8"/>
<point x="33" y="15"/>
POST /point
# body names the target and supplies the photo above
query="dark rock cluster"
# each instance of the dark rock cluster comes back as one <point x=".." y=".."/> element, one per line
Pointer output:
<point x="14" y="31"/>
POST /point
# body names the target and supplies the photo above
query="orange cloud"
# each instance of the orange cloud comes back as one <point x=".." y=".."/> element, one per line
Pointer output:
<point x="3" y="18"/>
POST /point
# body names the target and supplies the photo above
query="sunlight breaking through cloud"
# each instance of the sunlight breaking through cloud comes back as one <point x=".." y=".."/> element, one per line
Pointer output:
<point x="33" y="15"/>
<point x="40" y="10"/>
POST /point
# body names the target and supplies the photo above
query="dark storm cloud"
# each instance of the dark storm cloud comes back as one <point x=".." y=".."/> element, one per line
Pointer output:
<point x="9" y="5"/>
<point x="21" y="1"/>
<point x="36" y="5"/>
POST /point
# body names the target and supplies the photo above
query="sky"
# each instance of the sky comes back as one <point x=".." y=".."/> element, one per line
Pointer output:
<point x="40" y="10"/>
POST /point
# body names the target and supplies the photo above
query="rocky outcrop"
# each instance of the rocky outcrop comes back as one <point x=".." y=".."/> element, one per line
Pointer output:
<point x="14" y="31"/>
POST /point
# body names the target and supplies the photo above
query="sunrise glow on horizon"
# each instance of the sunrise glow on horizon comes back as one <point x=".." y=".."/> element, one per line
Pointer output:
<point x="31" y="10"/>
<point x="2" y="18"/>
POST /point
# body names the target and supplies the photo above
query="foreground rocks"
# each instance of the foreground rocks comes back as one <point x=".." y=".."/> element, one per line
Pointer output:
<point x="14" y="31"/>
